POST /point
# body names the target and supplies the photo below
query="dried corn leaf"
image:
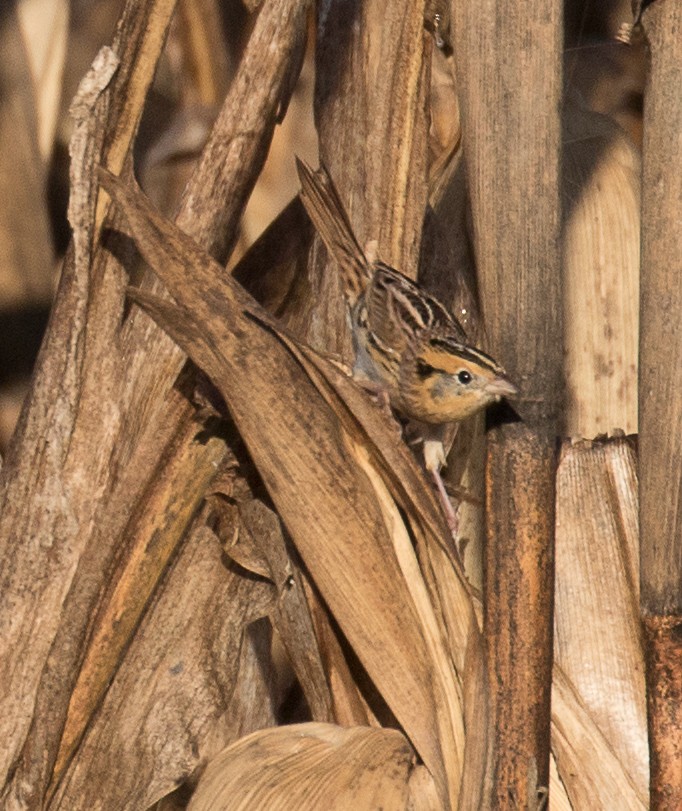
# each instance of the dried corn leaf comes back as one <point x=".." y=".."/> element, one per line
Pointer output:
<point x="351" y="708"/>
<point x="597" y="646"/>
<point x="309" y="766"/>
<point x="558" y="799"/>
<point x="449" y="602"/>
<point x="423" y="794"/>
<point x="308" y="457"/>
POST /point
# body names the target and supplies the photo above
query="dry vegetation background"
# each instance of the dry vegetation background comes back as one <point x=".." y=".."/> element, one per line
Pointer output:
<point x="224" y="580"/>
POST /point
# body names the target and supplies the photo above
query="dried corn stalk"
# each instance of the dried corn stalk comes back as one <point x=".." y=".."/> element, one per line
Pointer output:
<point x="158" y="531"/>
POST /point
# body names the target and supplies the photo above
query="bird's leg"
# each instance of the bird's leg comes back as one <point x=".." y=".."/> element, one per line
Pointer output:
<point x="434" y="460"/>
<point x="448" y="509"/>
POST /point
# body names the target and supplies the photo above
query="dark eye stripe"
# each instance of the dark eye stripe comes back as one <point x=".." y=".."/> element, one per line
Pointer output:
<point x="425" y="370"/>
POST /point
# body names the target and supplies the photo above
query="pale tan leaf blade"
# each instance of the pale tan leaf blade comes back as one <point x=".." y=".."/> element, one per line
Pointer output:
<point x="592" y="773"/>
<point x="45" y="26"/>
<point x="597" y="644"/>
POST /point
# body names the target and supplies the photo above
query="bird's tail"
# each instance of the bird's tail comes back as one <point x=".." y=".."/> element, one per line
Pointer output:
<point x="321" y="200"/>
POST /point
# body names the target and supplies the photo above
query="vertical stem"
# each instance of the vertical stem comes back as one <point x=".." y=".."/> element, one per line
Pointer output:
<point x="660" y="401"/>
<point x="509" y="73"/>
<point x="519" y="607"/>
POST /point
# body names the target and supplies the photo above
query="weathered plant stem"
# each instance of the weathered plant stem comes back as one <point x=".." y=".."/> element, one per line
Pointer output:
<point x="509" y="73"/>
<point x="660" y="402"/>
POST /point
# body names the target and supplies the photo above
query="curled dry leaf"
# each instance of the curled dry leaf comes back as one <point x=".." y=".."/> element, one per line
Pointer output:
<point x="306" y="440"/>
<point x="309" y="766"/>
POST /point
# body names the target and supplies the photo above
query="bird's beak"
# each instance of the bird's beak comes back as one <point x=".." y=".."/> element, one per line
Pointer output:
<point x="501" y="387"/>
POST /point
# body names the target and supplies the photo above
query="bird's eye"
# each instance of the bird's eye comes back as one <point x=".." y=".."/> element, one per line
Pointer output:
<point x="464" y="377"/>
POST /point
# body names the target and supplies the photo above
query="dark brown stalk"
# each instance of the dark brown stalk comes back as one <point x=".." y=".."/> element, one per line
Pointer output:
<point x="509" y="70"/>
<point x="660" y="402"/>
